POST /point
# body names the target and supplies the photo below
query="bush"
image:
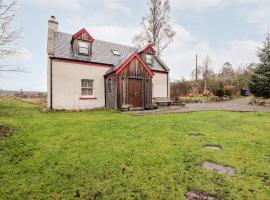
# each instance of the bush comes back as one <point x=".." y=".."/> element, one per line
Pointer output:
<point x="229" y="90"/>
<point x="180" y="88"/>
<point x="219" y="92"/>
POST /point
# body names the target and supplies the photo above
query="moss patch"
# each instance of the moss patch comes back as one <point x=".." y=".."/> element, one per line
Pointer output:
<point x="5" y="131"/>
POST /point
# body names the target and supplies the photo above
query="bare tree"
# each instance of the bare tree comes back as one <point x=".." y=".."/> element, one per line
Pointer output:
<point x="227" y="74"/>
<point x="8" y="33"/>
<point x="156" y="27"/>
<point x="206" y="71"/>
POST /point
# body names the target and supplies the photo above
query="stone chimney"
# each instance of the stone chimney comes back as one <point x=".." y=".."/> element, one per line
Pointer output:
<point x="52" y="28"/>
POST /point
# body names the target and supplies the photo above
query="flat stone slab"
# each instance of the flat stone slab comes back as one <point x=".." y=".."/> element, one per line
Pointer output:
<point x="197" y="135"/>
<point x="199" y="196"/>
<point x="213" y="147"/>
<point x="220" y="169"/>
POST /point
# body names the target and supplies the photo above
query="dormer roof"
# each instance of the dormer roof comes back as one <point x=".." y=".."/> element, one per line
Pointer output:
<point x="149" y="49"/>
<point x="83" y="35"/>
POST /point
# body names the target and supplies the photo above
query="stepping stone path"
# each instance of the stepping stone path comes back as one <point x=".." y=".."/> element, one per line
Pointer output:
<point x="213" y="147"/>
<point x="199" y="196"/>
<point x="191" y="195"/>
<point x="219" y="168"/>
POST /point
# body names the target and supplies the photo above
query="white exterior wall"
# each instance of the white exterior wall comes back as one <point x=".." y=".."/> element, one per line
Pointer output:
<point x="66" y="85"/>
<point x="160" y="85"/>
<point x="48" y="82"/>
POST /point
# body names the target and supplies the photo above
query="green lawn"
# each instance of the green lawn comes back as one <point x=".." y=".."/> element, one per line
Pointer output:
<point x="106" y="155"/>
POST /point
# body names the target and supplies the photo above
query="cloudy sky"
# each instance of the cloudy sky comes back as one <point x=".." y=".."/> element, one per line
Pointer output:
<point x="227" y="30"/>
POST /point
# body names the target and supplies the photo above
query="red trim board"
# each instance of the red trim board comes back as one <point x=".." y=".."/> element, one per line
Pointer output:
<point x="85" y="98"/>
<point x="134" y="55"/>
<point x="150" y="48"/>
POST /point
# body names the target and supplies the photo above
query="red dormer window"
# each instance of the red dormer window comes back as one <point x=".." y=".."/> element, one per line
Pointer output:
<point x="82" y="43"/>
<point x="148" y="59"/>
<point x="148" y="54"/>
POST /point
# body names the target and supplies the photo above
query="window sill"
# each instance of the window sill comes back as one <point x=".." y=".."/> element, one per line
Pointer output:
<point x="88" y="98"/>
<point x="84" y="54"/>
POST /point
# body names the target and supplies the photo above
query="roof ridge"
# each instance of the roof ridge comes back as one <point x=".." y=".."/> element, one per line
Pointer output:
<point x="102" y="52"/>
<point x="117" y="44"/>
<point x="103" y="41"/>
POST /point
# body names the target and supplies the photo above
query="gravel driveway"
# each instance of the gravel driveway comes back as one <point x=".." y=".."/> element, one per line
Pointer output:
<point x="237" y="105"/>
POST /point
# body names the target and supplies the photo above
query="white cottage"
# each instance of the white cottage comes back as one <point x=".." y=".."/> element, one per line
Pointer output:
<point x="86" y="73"/>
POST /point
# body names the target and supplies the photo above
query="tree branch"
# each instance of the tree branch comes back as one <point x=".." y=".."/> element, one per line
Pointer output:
<point x="156" y="27"/>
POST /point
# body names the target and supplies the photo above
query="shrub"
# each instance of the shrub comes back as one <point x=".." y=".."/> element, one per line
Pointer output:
<point x="219" y="92"/>
<point x="229" y="90"/>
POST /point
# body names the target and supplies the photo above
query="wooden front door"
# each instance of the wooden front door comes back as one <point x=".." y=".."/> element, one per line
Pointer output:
<point x="135" y="93"/>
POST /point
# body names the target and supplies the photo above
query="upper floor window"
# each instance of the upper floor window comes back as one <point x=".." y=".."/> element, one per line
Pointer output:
<point x="148" y="59"/>
<point x="83" y="47"/>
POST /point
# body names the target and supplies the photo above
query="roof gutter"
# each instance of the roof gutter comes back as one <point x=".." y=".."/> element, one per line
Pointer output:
<point x="83" y="62"/>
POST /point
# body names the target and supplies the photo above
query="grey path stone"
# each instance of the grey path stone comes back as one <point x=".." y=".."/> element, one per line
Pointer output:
<point x="213" y="147"/>
<point x="199" y="196"/>
<point x="197" y="135"/>
<point x="219" y="168"/>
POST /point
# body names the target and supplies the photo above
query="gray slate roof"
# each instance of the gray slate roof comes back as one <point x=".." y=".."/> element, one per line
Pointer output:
<point x="101" y="52"/>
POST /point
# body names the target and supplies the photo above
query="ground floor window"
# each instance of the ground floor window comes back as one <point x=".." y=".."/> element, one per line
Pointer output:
<point x="87" y="86"/>
<point x="110" y="85"/>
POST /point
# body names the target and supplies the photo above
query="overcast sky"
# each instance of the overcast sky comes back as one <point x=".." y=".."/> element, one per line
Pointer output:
<point x="227" y="30"/>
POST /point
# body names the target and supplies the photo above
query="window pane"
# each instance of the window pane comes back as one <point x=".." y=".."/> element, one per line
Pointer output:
<point x="148" y="56"/>
<point x="90" y="83"/>
<point x="148" y="59"/>
<point x="90" y="92"/>
<point x="84" y="92"/>
<point x="83" y="44"/>
<point x="84" y="83"/>
<point x="109" y="85"/>
<point x="83" y="50"/>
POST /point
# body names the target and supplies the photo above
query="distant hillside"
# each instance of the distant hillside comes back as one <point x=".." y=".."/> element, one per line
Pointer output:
<point x="28" y="94"/>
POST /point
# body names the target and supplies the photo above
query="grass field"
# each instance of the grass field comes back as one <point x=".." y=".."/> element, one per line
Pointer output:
<point x="106" y="155"/>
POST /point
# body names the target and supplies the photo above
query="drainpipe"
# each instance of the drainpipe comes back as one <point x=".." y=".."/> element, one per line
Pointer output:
<point x="105" y="91"/>
<point x="168" y="85"/>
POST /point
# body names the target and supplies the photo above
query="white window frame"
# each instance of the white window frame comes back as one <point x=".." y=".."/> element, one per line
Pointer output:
<point x="85" y="46"/>
<point x="148" y="59"/>
<point x="87" y="87"/>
